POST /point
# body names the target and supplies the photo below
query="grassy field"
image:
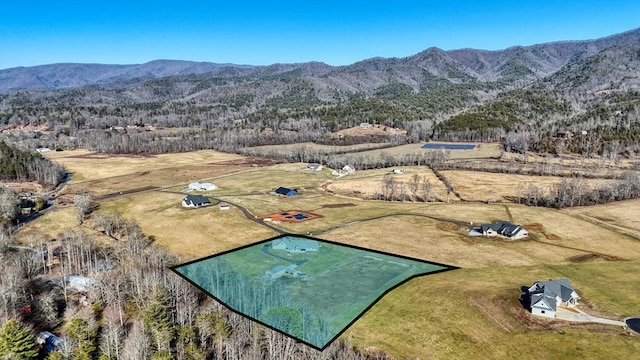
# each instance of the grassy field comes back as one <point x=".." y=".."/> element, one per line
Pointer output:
<point x="327" y="149"/>
<point x="474" y="313"/>
<point x="622" y="215"/>
<point x="474" y="185"/>
<point x="190" y="233"/>
<point x="470" y="312"/>
<point x="368" y="184"/>
<point x="82" y="163"/>
<point x="482" y="151"/>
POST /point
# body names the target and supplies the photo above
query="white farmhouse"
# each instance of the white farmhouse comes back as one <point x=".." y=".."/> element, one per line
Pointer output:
<point x="546" y="296"/>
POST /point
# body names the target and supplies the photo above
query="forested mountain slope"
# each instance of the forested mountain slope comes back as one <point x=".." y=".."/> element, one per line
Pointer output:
<point x="462" y="94"/>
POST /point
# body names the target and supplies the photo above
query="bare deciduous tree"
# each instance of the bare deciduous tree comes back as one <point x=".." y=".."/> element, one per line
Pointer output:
<point x="84" y="204"/>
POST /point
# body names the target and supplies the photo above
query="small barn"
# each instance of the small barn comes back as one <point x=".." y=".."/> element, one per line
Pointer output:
<point x="546" y="296"/>
<point x="195" y="201"/>
<point x="286" y="191"/>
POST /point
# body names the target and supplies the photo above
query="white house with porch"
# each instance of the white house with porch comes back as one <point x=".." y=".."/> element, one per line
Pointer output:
<point x="546" y="296"/>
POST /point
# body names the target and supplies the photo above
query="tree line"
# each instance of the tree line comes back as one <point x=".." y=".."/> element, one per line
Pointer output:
<point x="24" y="165"/>
<point x="135" y="308"/>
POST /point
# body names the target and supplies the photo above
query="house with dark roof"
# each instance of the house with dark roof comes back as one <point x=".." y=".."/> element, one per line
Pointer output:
<point x="500" y="228"/>
<point x="314" y="166"/>
<point x="546" y="296"/>
<point x="295" y="245"/>
<point x="195" y="201"/>
<point x="286" y="192"/>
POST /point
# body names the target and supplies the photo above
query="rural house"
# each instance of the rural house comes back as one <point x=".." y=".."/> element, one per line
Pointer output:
<point x="564" y="134"/>
<point x="205" y="186"/>
<point x="295" y="245"/>
<point x="314" y="166"/>
<point x="195" y="201"/>
<point x="502" y="228"/>
<point x="349" y="169"/>
<point x="286" y="192"/>
<point x="546" y="296"/>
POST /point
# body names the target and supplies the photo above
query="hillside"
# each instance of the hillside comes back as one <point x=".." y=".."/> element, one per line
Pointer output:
<point x="462" y="94"/>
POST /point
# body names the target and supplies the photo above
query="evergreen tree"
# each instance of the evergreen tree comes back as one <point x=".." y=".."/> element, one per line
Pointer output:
<point x="84" y="338"/>
<point x="16" y="341"/>
<point x="156" y="317"/>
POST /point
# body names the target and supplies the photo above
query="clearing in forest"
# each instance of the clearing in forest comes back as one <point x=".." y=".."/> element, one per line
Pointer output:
<point x="306" y="288"/>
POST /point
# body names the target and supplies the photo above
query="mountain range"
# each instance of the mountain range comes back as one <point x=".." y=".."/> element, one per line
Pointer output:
<point x="522" y="62"/>
<point x="464" y="94"/>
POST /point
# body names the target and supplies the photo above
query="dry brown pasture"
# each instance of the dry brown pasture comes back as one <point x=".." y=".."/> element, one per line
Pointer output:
<point x="622" y="215"/>
<point x="86" y="165"/>
<point x="190" y="233"/>
<point x="480" y="186"/>
<point x="50" y="224"/>
<point x="482" y="151"/>
<point x="367" y="184"/>
<point x="572" y="160"/>
<point x="466" y="313"/>
<point x="161" y="173"/>
<point x="329" y="149"/>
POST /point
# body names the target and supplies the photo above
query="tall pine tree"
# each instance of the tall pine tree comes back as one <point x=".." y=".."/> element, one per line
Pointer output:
<point x="16" y="341"/>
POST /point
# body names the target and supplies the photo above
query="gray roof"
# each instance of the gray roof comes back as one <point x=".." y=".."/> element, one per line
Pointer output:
<point x="502" y="227"/>
<point x="553" y="288"/>
<point x="197" y="199"/>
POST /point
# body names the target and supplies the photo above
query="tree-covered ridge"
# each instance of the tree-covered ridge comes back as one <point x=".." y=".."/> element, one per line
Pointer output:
<point x="23" y="165"/>
<point x="443" y="95"/>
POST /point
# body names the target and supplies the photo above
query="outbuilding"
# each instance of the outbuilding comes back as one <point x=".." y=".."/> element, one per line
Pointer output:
<point x="286" y="191"/>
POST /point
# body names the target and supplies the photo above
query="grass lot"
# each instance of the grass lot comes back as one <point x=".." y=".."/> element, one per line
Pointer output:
<point x="83" y="163"/>
<point x="368" y="184"/>
<point x="622" y="215"/>
<point x="327" y="149"/>
<point x="472" y="312"/>
<point x="474" y="185"/>
<point x="50" y="224"/>
<point x="483" y="151"/>
<point x="190" y="233"/>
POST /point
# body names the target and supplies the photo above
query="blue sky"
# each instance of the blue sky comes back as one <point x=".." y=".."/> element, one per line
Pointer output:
<point x="267" y="32"/>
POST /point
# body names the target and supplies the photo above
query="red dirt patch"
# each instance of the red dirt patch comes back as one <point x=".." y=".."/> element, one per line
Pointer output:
<point x="291" y="216"/>
<point x="551" y="236"/>
<point x="331" y="206"/>
<point x="593" y="257"/>
<point x="534" y="226"/>
<point x="447" y="226"/>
